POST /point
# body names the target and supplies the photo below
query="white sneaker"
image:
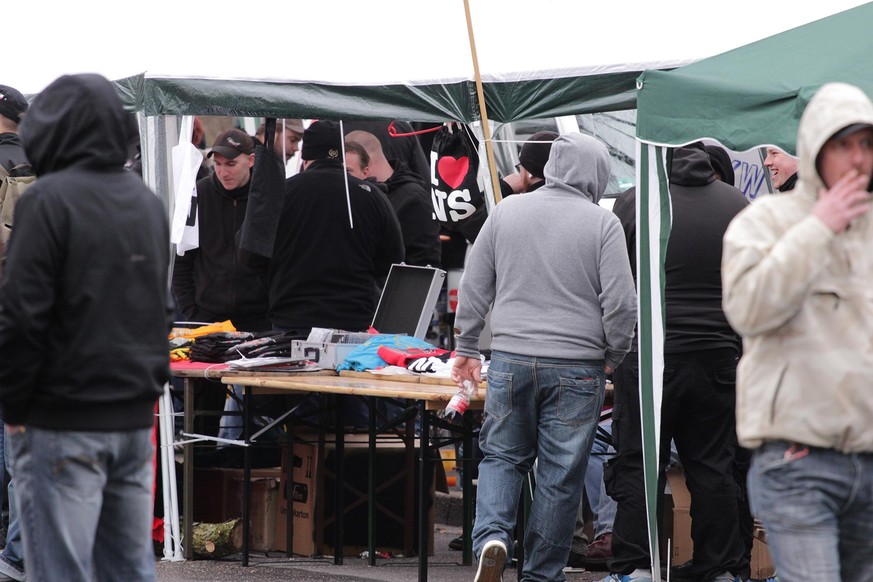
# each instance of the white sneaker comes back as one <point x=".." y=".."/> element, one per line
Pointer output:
<point x="491" y="562"/>
<point x="9" y="572"/>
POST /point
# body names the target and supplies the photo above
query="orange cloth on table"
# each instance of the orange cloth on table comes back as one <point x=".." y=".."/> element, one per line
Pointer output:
<point x="196" y="332"/>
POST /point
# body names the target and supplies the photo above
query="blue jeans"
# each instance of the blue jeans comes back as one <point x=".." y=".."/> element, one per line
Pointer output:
<point x="817" y="509"/>
<point x="85" y="504"/>
<point x="231" y="425"/>
<point x="542" y="409"/>
<point x="14" y="551"/>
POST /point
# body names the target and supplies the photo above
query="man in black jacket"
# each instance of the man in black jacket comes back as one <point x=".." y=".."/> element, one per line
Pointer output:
<point x="410" y="201"/>
<point x="13" y="106"/>
<point x="84" y="317"/>
<point x="334" y="246"/>
<point x="210" y="282"/>
<point x="700" y="358"/>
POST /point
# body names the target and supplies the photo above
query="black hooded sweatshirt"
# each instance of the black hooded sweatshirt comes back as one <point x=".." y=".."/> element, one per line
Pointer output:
<point x="412" y="204"/>
<point x="702" y="208"/>
<point x="324" y="273"/>
<point x="211" y="283"/>
<point x="84" y="301"/>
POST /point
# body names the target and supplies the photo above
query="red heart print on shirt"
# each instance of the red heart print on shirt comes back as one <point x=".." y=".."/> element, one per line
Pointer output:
<point x="453" y="170"/>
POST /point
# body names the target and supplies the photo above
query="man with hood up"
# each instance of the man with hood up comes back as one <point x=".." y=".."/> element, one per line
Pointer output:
<point x="84" y="317"/>
<point x="798" y="275"/>
<point x="553" y="269"/>
<point x="697" y="410"/>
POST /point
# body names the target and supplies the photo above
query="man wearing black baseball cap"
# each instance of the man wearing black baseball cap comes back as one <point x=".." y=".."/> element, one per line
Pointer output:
<point x="13" y="105"/>
<point x="209" y="282"/>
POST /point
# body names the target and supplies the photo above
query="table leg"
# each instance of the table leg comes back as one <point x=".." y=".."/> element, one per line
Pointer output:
<point x="289" y="492"/>
<point x="423" y="521"/>
<point x="247" y="472"/>
<point x="371" y="484"/>
<point x="188" y="469"/>
<point x="339" y="485"/>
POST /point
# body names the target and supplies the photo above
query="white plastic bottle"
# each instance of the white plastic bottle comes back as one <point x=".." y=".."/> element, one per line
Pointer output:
<point x="461" y="399"/>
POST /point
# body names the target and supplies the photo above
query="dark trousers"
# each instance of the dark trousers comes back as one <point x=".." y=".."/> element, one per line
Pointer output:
<point x="698" y="412"/>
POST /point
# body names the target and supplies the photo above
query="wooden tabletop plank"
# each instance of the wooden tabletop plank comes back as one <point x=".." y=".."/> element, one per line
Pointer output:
<point x="355" y="386"/>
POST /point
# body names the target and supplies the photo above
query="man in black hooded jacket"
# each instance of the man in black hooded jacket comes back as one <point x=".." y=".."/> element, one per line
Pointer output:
<point x="326" y="272"/>
<point x="700" y="358"/>
<point x="84" y="317"/>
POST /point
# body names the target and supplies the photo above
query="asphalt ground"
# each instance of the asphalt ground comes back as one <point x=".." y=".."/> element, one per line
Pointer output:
<point x="444" y="566"/>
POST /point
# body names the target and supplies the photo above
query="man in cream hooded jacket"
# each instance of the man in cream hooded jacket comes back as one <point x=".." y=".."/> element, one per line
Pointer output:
<point x="797" y="275"/>
<point x="553" y="268"/>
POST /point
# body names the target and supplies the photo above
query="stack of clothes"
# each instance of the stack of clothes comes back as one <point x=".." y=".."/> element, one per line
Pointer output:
<point x="226" y="346"/>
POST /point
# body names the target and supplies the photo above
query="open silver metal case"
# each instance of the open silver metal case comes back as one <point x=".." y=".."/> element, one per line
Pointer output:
<point x="405" y="307"/>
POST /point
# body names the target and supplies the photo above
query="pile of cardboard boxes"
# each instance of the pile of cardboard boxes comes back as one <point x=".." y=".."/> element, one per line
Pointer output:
<point x="312" y="491"/>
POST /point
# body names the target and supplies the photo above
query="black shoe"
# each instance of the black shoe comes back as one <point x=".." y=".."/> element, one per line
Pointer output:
<point x="457" y="544"/>
<point x="576" y="561"/>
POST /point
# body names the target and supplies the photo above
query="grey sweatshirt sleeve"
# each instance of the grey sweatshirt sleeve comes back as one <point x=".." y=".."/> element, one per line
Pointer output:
<point x="476" y="292"/>
<point x="618" y="296"/>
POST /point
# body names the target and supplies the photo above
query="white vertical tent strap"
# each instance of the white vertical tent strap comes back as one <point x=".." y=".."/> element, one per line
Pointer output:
<point x="654" y="217"/>
<point x="172" y="528"/>
<point x="345" y="173"/>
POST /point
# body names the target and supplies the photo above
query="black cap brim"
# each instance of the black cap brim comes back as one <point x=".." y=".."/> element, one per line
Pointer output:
<point x="228" y="152"/>
<point x="850" y="129"/>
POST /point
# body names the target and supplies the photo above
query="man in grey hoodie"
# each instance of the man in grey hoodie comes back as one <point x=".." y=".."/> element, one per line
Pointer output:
<point x="553" y="269"/>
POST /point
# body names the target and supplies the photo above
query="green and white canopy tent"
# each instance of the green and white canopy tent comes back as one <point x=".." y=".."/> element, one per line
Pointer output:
<point x="388" y="59"/>
<point x="748" y="97"/>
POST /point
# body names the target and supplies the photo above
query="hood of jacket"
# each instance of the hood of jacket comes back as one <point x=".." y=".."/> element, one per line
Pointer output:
<point x="834" y="107"/>
<point x="402" y="174"/>
<point x="78" y="120"/>
<point x="235" y="194"/>
<point x="9" y="138"/>
<point x="691" y="166"/>
<point x="578" y="164"/>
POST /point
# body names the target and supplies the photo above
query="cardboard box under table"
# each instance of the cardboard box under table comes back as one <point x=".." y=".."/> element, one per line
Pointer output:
<point x="429" y="397"/>
<point x="391" y="521"/>
<point x="222" y="500"/>
<point x="312" y="490"/>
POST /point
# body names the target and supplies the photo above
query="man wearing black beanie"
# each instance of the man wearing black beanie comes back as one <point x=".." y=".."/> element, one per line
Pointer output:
<point x="336" y="241"/>
<point x="531" y="160"/>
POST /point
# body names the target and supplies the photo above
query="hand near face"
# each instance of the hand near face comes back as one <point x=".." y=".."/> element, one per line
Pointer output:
<point x="848" y="199"/>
